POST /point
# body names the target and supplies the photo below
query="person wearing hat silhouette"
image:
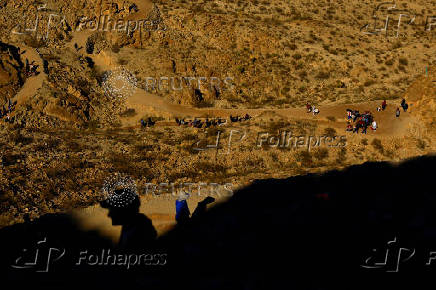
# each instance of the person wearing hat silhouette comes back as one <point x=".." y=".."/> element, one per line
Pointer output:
<point x="137" y="230"/>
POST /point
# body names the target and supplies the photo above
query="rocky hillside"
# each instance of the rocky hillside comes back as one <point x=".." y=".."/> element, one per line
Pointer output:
<point x="11" y="71"/>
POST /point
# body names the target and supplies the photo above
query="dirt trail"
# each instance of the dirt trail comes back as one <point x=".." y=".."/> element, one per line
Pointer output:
<point x="32" y="84"/>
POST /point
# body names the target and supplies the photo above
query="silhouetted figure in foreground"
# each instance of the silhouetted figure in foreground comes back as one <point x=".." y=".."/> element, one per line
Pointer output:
<point x="137" y="230"/>
<point x="183" y="213"/>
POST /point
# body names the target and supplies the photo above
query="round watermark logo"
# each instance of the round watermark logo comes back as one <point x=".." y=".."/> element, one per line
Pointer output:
<point x="119" y="83"/>
<point x="119" y="191"/>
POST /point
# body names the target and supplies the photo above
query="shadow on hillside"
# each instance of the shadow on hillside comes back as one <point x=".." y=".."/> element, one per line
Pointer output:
<point x="306" y="232"/>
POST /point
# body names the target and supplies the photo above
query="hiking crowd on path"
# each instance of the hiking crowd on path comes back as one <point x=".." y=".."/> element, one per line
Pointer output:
<point x="7" y="113"/>
<point x="197" y="123"/>
<point x="148" y="123"/>
<point x="361" y="121"/>
<point x="312" y="109"/>
<point x="31" y="68"/>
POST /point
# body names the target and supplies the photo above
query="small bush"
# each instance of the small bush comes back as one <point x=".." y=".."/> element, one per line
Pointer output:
<point x="330" y="132"/>
<point x="377" y="144"/>
<point x="321" y="153"/>
<point x="403" y="61"/>
<point x="421" y="144"/>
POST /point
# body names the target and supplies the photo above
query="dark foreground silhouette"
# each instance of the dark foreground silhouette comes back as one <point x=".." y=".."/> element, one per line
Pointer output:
<point x="329" y="231"/>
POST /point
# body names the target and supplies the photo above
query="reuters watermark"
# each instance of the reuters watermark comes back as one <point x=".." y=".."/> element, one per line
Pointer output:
<point x="187" y="189"/>
<point x="165" y="83"/>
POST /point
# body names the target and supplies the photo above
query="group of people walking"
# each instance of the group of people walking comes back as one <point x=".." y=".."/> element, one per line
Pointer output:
<point x="148" y="123"/>
<point x="31" y="68"/>
<point x="197" y="123"/>
<point x="356" y="121"/>
<point x="239" y="119"/>
<point x="312" y="109"/>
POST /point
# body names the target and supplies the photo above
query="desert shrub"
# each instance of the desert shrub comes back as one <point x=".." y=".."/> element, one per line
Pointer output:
<point x="304" y="157"/>
<point x="331" y="118"/>
<point x="297" y="56"/>
<point x="342" y="155"/>
<point x="323" y="75"/>
<point x="128" y="113"/>
<point x="16" y="137"/>
<point x="330" y="132"/>
<point x="364" y="141"/>
<point x="115" y="48"/>
<point x="421" y="144"/>
<point x="403" y="61"/>
<point x="321" y="153"/>
<point x="377" y="144"/>
<point x="368" y="83"/>
<point x="389" y="62"/>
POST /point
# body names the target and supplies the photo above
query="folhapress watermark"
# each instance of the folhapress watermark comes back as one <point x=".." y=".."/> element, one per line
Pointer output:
<point x="106" y="257"/>
<point x="54" y="20"/>
<point x="281" y="140"/>
<point x="42" y="258"/>
<point x="390" y="13"/>
<point x="288" y="140"/>
<point x="393" y="255"/>
<point x="106" y="24"/>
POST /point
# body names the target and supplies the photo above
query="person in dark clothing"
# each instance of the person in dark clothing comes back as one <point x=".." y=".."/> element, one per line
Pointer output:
<point x="202" y="207"/>
<point x="150" y="122"/>
<point x="183" y="213"/>
<point x="137" y="230"/>
<point x="143" y="125"/>
<point x="404" y="105"/>
<point x="397" y="113"/>
<point x="364" y="129"/>
<point x="384" y="104"/>
<point x="356" y="115"/>
<point x="308" y="108"/>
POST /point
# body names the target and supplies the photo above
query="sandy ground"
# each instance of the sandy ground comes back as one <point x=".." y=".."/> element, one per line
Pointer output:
<point x="32" y="84"/>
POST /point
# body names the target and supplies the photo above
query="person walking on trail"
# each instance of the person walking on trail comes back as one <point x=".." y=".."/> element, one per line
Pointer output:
<point x="384" y="104"/>
<point x="397" y="113"/>
<point x="404" y="105"/>
<point x="364" y="129"/>
<point x="182" y="210"/>
<point x="308" y="108"/>
<point x="374" y="125"/>
<point x="349" y="114"/>
<point x="356" y="128"/>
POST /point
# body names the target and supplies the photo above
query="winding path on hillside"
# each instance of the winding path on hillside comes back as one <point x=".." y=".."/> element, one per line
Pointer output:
<point x="145" y="103"/>
<point x="32" y="84"/>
